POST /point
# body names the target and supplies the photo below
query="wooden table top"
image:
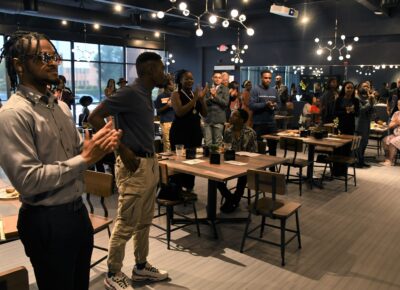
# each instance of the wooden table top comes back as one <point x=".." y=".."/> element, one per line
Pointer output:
<point x="224" y="171"/>
<point x="9" y="222"/>
<point x="334" y="141"/>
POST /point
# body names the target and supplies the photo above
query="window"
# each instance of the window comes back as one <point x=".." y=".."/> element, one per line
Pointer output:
<point x="3" y="76"/>
<point x="86" y="51"/>
<point x="63" y="48"/>
<point x="111" y="71"/>
<point x="87" y="80"/>
<point x="110" y="53"/>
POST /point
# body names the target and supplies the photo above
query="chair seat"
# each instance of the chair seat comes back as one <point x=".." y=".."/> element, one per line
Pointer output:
<point x="278" y="208"/>
<point x="342" y="159"/>
<point x="99" y="222"/>
<point x="296" y="163"/>
<point x="376" y="136"/>
<point x="167" y="202"/>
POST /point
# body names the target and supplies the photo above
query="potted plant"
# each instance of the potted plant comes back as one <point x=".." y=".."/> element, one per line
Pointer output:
<point x="215" y="157"/>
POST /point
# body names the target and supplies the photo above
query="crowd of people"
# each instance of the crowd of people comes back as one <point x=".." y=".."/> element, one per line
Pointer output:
<point x="49" y="158"/>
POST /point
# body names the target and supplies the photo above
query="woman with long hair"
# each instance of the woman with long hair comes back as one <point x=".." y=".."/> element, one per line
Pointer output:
<point x="347" y="108"/>
<point x="110" y="89"/>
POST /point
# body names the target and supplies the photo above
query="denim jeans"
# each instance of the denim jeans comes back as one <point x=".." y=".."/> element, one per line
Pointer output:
<point x="213" y="134"/>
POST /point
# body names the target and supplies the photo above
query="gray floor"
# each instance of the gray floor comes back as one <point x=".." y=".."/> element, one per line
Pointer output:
<point x="350" y="241"/>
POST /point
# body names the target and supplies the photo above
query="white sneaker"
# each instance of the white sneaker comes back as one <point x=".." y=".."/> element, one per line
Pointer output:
<point x="148" y="273"/>
<point x="118" y="282"/>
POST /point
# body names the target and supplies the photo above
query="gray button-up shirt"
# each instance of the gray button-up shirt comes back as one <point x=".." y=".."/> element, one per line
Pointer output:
<point x="39" y="148"/>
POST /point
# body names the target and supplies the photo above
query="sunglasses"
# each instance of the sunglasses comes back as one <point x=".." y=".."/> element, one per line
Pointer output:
<point x="46" y="57"/>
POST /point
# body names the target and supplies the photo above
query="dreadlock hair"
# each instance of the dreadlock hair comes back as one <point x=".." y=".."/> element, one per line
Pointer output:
<point x="16" y="47"/>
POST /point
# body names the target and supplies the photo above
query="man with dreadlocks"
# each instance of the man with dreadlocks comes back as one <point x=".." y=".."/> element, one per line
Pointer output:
<point x="44" y="157"/>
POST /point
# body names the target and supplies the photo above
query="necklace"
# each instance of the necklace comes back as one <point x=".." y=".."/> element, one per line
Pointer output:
<point x="194" y="111"/>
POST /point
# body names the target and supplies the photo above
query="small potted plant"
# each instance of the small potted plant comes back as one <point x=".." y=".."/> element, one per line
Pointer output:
<point x="215" y="157"/>
<point x="335" y="125"/>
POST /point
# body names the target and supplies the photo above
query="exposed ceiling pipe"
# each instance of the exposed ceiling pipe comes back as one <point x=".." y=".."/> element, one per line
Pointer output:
<point x="374" y="7"/>
<point x="81" y="15"/>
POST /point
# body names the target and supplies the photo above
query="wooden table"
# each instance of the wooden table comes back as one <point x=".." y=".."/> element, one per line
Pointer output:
<point x="220" y="173"/>
<point x="335" y="141"/>
<point x="9" y="221"/>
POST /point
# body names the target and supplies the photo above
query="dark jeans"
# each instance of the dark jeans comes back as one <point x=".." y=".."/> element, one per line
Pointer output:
<point x="59" y="242"/>
<point x="239" y="191"/>
<point x="262" y="129"/>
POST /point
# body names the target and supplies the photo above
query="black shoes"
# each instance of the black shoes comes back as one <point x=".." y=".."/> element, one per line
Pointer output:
<point x="363" y="165"/>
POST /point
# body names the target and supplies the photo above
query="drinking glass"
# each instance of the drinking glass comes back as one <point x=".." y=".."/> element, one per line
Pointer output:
<point x="179" y="149"/>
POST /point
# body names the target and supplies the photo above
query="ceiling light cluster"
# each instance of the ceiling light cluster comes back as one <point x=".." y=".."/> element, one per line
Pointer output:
<point x="211" y="17"/>
<point x="341" y="48"/>
<point x="169" y="59"/>
<point x="237" y="51"/>
<point x="317" y="71"/>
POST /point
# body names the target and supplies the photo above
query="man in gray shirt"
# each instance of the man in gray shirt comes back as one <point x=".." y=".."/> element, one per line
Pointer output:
<point x="217" y="100"/>
<point x="136" y="171"/>
<point x="42" y="154"/>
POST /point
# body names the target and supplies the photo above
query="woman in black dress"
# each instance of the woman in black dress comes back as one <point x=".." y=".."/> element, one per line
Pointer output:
<point x="347" y="108"/>
<point x="186" y="127"/>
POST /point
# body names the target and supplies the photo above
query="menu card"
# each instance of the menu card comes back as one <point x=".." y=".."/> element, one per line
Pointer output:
<point x="233" y="162"/>
<point x="245" y="153"/>
<point x="193" y="161"/>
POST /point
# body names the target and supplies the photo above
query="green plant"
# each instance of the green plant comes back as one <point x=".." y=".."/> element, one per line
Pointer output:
<point x="213" y="148"/>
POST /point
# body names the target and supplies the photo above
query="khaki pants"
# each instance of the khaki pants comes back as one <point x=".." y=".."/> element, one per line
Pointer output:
<point x="165" y="128"/>
<point x="137" y="193"/>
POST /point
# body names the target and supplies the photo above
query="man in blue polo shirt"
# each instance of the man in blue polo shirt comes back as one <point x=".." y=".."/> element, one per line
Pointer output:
<point x="136" y="171"/>
<point x="264" y="102"/>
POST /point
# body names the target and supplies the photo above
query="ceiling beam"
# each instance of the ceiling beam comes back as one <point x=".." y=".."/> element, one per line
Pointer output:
<point x="82" y="15"/>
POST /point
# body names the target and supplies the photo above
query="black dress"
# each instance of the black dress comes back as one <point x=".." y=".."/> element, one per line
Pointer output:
<point x="186" y="130"/>
<point x="347" y="121"/>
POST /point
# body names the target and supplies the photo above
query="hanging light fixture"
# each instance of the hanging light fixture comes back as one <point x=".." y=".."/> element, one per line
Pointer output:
<point x="212" y="18"/>
<point x="237" y="51"/>
<point x="82" y="53"/>
<point x="168" y="57"/>
<point x="336" y="47"/>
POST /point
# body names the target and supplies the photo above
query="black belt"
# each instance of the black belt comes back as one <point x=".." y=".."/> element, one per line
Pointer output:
<point x="144" y="154"/>
<point x="71" y="206"/>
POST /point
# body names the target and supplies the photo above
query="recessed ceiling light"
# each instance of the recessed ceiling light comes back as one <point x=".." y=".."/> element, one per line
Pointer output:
<point x="64" y="22"/>
<point x="96" y="26"/>
<point x="118" y="7"/>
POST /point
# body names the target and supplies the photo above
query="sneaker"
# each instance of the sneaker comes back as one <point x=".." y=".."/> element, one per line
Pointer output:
<point x="118" y="282"/>
<point x="148" y="273"/>
<point x="387" y="163"/>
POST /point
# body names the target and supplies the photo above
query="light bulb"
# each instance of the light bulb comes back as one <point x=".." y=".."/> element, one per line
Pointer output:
<point x="234" y="13"/>
<point x="340" y="57"/>
<point x="356" y="39"/>
<point x="316" y="40"/>
<point x="310" y="67"/>
<point x="245" y="46"/>
<point x="329" y="58"/>
<point x="241" y="60"/>
<point x="343" y="37"/>
<point x="242" y="18"/>
<point x="160" y="14"/>
<point x="153" y="15"/>
<point x="64" y="22"/>
<point x="391" y="66"/>
<point x="182" y="6"/>
<point x="319" y="51"/>
<point x="236" y="60"/>
<point x="199" y="32"/>
<point x="212" y="19"/>
<point x="329" y="42"/>
<point x="348" y="56"/>
<point x="96" y="26"/>
<point x="172" y="1"/>
<point x="232" y="59"/>
<point x="233" y="47"/>
<point x="305" y="20"/>
<point x="118" y="7"/>
<point x="186" y="12"/>
<point x="168" y="63"/>
<point x="349" y="48"/>
<point x="250" y="31"/>
<point x="231" y="51"/>
<point x="157" y="34"/>
<point x="225" y="23"/>
<point x="170" y="55"/>
<point x="173" y="60"/>
<point x="383" y="66"/>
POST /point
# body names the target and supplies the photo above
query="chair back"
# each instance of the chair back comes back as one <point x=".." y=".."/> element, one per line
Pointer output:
<point x="380" y="113"/>
<point x="14" y="279"/>
<point x="291" y="144"/>
<point x="355" y="143"/>
<point x="100" y="184"/>
<point x="163" y="174"/>
<point x="265" y="181"/>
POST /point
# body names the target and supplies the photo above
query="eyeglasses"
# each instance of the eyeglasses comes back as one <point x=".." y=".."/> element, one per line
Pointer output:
<point x="46" y="57"/>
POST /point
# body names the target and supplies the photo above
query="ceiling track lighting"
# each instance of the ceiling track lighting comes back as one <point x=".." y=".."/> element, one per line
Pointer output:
<point x="212" y="18"/>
